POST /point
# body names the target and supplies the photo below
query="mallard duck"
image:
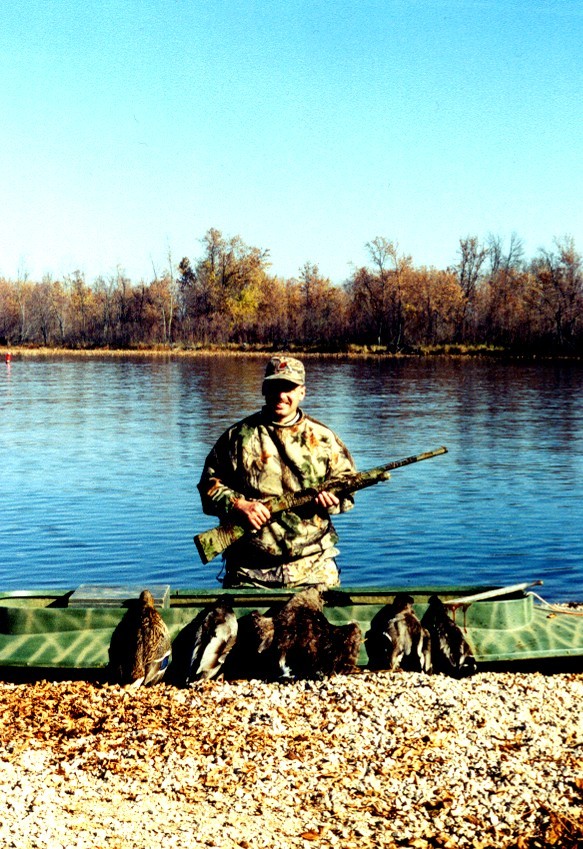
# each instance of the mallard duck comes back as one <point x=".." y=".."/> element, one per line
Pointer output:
<point x="251" y="657"/>
<point x="140" y="648"/>
<point x="214" y="632"/>
<point x="398" y="639"/>
<point x="450" y="651"/>
<point x="306" y="645"/>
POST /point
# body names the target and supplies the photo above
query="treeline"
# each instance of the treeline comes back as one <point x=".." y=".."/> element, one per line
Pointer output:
<point x="492" y="296"/>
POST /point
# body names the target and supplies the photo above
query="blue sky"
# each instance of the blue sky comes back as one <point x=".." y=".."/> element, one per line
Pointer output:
<point x="130" y="127"/>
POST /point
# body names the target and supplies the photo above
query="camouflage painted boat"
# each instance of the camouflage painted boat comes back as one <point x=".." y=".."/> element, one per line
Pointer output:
<point x="72" y="630"/>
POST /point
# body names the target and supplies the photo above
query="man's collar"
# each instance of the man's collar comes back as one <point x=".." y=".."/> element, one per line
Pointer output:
<point x="298" y="417"/>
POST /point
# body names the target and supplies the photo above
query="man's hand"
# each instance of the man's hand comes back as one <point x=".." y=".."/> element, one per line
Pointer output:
<point x="256" y="513"/>
<point x="327" y="499"/>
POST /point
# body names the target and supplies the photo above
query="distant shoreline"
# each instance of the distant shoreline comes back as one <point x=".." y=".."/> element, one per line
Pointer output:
<point x="11" y="352"/>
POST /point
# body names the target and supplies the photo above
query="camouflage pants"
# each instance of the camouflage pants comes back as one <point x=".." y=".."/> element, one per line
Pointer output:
<point x="317" y="568"/>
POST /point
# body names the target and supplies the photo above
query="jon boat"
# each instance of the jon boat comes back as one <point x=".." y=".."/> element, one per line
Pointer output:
<point x="67" y="631"/>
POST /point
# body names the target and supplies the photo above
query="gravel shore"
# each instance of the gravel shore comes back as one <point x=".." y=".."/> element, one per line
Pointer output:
<point x="367" y="760"/>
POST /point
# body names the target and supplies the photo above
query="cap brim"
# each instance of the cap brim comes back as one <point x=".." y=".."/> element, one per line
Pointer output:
<point x="284" y="378"/>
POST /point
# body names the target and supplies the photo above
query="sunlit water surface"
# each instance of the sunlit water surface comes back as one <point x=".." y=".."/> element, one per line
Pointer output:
<point x="100" y="459"/>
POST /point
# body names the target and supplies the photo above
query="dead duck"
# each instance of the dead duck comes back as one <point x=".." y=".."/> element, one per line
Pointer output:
<point x="450" y="652"/>
<point x="215" y="634"/>
<point x="293" y="640"/>
<point x="250" y="657"/>
<point x="140" y="648"/>
<point x="397" y="639"/>
<point x="306" y="645"/>
<point x="341" y="649"/>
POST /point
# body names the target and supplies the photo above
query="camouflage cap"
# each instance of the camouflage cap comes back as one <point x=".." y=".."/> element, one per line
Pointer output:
<point x="286" y="368"/>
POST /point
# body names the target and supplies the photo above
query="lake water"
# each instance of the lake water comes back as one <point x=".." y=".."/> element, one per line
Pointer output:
<point x="100" y="458"/>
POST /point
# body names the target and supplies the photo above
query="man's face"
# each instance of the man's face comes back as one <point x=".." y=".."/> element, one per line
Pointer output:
<point x="282" y="399"/>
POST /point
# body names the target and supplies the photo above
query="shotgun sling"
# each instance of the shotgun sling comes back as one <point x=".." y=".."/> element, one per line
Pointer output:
<point x="213" y="542"/>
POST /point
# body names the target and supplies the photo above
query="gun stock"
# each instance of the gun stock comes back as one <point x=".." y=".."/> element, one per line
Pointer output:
<point x="213" y="542"/>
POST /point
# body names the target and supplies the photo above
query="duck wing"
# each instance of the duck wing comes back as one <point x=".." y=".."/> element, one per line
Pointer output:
<point x="214" y="638"/>
<point x="157" y="650"/>
<point x="140" y="647"/>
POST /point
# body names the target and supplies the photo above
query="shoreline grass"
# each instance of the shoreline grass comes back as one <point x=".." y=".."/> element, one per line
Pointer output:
<point x="451" y="351"/>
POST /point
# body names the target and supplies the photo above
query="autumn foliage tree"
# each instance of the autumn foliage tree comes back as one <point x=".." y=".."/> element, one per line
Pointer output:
<point x="223" y="289"/>
<point x="491" y="296"/>
<point x="396" y="306"/>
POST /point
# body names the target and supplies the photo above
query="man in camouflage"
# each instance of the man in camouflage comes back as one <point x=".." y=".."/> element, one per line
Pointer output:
<point x="278" y="450"/>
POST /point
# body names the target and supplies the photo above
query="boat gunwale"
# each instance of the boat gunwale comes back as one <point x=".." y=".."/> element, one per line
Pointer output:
<point x="184" y="597"/>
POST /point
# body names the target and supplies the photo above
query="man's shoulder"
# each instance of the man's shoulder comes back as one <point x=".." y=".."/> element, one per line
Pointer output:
<point x="244" y="425"/>
<point x="316" y="424"/>
<point x="325" y="435"/>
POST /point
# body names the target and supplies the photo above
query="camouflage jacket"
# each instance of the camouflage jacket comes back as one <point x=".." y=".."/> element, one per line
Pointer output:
<point x="257" y="459"/>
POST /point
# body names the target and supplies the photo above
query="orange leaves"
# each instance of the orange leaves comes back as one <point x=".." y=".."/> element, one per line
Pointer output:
<point x="552" y="829"/>
<point x="355" y="761"/>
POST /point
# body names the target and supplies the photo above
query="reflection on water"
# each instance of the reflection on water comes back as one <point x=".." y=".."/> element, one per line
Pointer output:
<point x="100" y="460"/>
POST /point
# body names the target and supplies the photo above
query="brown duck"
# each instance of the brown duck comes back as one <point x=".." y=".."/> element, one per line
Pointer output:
<point x="450" y="651"/>
<point x="140" y="648"/>
<point x="306" y="645"/>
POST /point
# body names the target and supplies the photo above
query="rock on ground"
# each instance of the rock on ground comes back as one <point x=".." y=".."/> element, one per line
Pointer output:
<point x="367" y="760"/>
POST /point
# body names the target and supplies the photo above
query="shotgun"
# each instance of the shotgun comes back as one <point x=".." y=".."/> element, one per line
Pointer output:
<point x="213" y="542"/>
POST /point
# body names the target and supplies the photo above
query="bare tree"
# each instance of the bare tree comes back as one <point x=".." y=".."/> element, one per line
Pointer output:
<point x="559" y="279"/>
<point x="43" y="314"/>
<point x="472" y="256"/>
<point x="377" y="293"/>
